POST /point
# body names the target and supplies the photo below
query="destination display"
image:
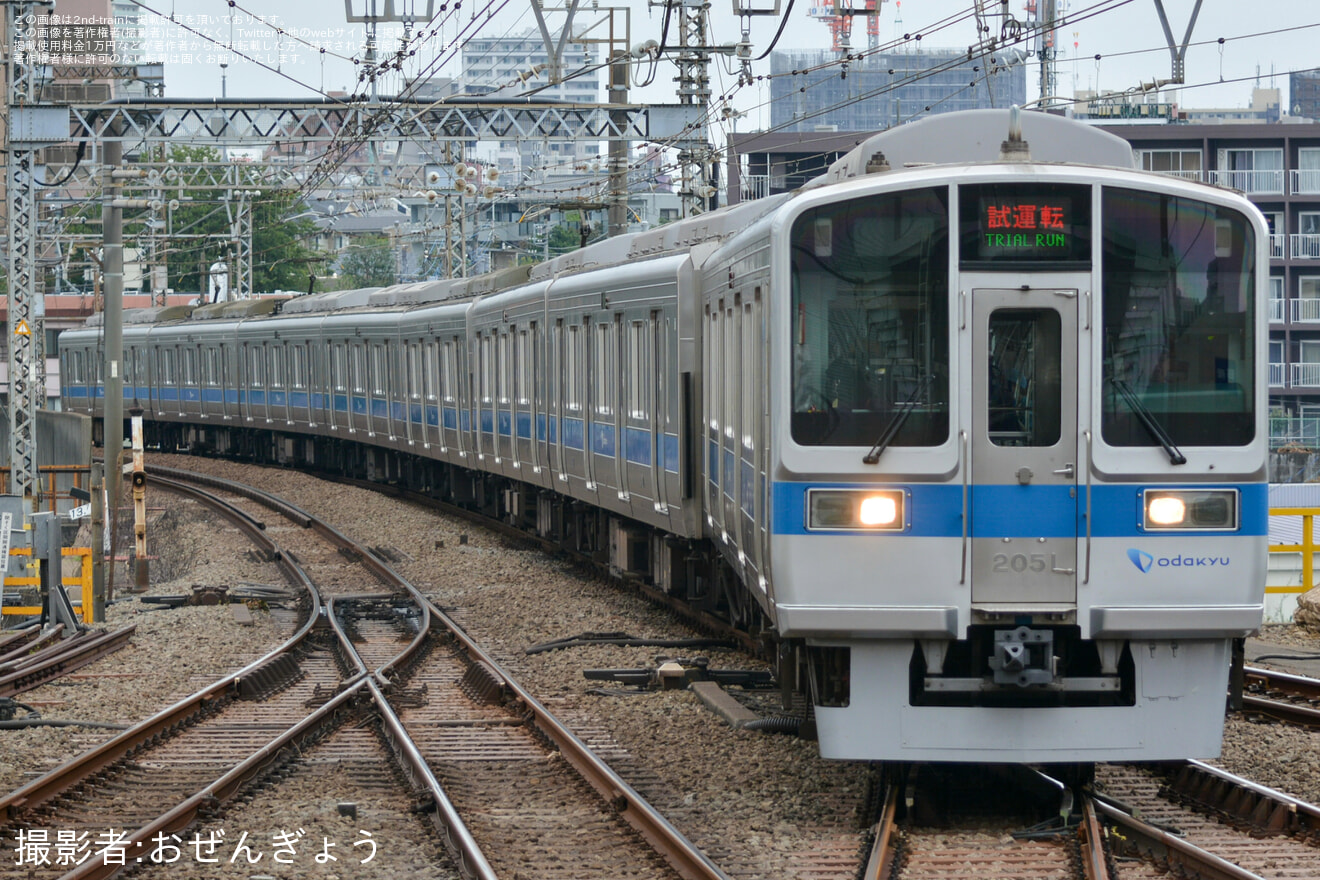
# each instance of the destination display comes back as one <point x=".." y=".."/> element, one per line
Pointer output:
<point x="1014" y="223"/>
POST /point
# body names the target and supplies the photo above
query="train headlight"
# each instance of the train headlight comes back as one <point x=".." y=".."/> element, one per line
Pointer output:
<point x="1190" y="509"/>
<point x="855" y="509"/>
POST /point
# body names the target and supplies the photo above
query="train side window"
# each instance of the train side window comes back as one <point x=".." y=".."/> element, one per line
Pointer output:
<point x="338" y="366"/>
<point x="524" y="366"/>
<point x="447" y="365"/>
<point x="639" y="370"/>
<point x="299" y="367"/>
<point x="750" y="374"/>
<point x="429" y="370"/>
<point x="503" y="373"/>
<point x="485" y="369"/>
<point x="414" y="371"/>
<point x="573" y="369"/>
<point x="276" y="374"/>
<point x="729" y="373"/>
<point x="377" y="365"/>
<point x="603" y="372"/>
<point x="358" y="367"/>
<point x="715" y="355"/>
<point x="189" y="366"/>
<point x="258" y="376"/>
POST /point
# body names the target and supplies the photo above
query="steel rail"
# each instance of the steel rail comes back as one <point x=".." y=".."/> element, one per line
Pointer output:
<point x="670" y="843"/>
<point x="461" y="845"/>
<point x="14" y="658"/>
<point x="14" y="641"/>
<point x="1091" y="838"/>
<point x="49" y="785"/>
<point x="1265" y="808"/>
<point x="1298" y="685"/>
<point x="292" y="741"/>
<point x="1281" y="710"/>
<point x="63" y="658"/>
<point x="880" y="864"/>
<point x="1176" y="853"/>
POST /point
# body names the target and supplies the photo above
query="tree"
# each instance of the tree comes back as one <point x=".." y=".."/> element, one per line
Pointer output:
<point x="563" y="239"/>
<point x="369" y="262"/>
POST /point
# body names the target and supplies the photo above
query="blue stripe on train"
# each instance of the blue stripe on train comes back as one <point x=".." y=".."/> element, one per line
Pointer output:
<point x="1007" y="511"/>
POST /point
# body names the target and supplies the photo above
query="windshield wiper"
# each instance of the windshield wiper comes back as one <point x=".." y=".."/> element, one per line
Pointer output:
<point x="896" y="423"/>
<point x="1148" y="421"/>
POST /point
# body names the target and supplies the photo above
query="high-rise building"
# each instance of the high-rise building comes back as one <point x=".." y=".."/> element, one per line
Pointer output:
<point x="1304" y="89"/>
<point x="509" y="66"/>
<point x="813" y="91"/>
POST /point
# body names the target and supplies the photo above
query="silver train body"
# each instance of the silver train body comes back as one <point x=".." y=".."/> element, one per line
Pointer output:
<point x="972" y="429"/>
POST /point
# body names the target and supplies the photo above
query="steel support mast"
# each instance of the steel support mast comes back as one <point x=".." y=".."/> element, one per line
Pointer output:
<point x="26" y="327"/>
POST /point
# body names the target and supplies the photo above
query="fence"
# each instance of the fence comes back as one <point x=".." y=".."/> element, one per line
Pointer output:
<point x="82" y="580"/>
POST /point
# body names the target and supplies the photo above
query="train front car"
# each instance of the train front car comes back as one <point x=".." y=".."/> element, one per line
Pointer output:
<point x="1019" y="506"/>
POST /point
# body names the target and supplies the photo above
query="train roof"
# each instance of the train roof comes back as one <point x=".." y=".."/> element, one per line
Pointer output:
<point x="328" y="301"/>
<point x="153" y="315"/>
<point x="237" y="308"/>
<point x="979" y="136"/>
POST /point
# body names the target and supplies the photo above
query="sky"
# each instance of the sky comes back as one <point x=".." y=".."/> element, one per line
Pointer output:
<point x="1262" y="37"/>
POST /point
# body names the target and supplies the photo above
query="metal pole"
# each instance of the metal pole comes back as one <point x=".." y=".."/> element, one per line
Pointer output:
<point x="140" y="580"/>
<point x="112" y="230"/>
<point x="618" y="210"/>
<point x="25" y="311"/>
<point x="98" y="542"/>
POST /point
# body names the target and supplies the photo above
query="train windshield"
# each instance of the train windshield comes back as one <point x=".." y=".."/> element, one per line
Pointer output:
<point x="870" y="339"/>
<point x="1179" y="308"/>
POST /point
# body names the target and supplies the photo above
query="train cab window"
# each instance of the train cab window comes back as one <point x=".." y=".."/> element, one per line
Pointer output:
<point x="870" y="323"/>
<point x="1024" y="370"/>
<point x="1179" y="310"/>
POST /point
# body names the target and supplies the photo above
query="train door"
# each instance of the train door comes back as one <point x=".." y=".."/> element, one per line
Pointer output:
<point x="1023" y="446"/>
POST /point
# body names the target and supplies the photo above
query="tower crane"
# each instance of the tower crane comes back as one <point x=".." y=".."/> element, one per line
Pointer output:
<point x="838" y="17"/>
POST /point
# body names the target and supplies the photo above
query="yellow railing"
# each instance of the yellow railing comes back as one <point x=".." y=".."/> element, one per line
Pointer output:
<point x="83" y="580"/>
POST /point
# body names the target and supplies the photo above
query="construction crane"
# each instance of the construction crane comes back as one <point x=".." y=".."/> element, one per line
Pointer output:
<point x="838" y="17"/>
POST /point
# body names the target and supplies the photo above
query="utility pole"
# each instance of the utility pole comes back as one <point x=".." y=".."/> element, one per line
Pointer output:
<point x="112" y="262"/>
<point x="618" y="196"/>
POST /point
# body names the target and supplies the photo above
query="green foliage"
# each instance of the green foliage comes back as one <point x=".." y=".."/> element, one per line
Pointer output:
<point x="564" y="239"/>
<point x="200" y="231"/>
<point x="368" y="262"/>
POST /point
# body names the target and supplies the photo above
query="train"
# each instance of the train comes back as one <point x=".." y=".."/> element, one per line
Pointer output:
<point x="969" y="432"/>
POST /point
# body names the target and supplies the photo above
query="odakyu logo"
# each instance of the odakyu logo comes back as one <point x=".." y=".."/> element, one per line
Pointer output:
<point x="1145" y="561"/>
<point x="1141" y="560"/>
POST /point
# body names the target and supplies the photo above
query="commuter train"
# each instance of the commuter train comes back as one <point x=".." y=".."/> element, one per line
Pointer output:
<point x="970" y="431"/>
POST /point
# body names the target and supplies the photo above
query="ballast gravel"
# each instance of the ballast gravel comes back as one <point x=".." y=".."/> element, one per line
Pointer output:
<point x="760" y="804"/>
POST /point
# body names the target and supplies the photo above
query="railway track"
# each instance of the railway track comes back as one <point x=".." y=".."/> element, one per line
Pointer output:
<point x="539" y="795"/>
<point x="1281" y="696"/>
